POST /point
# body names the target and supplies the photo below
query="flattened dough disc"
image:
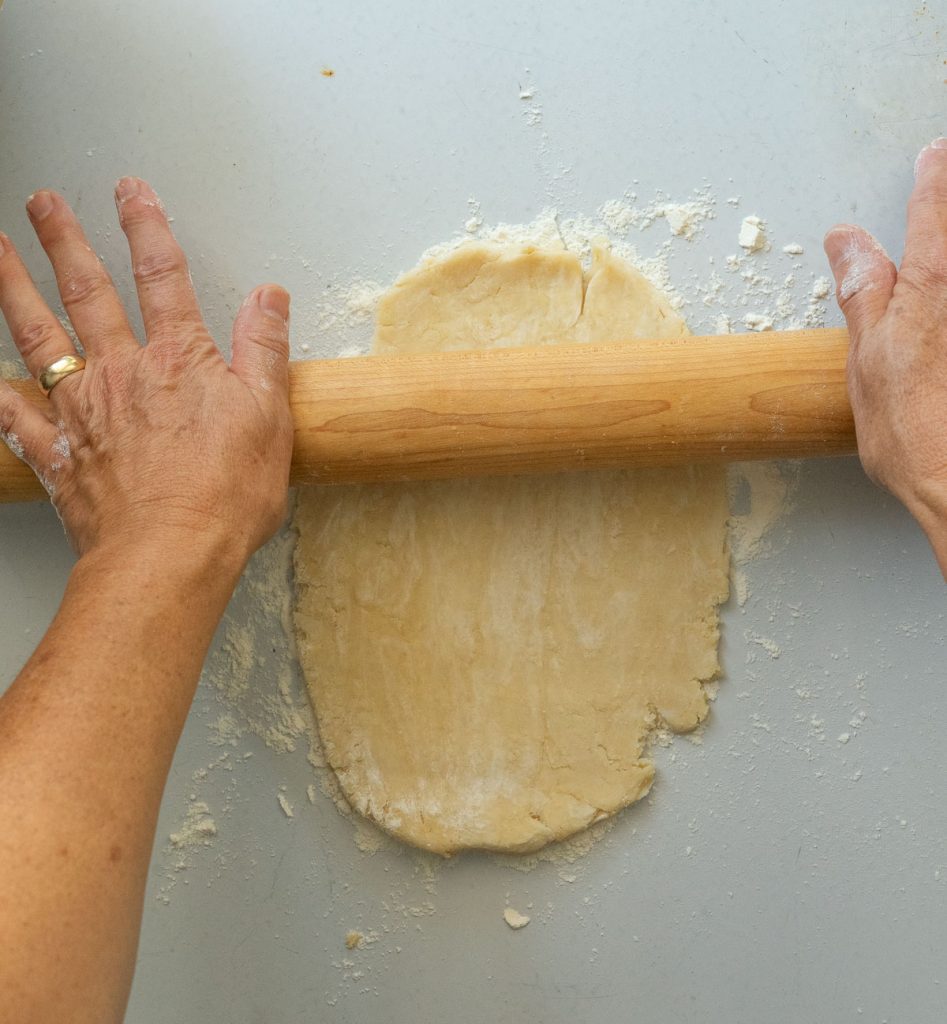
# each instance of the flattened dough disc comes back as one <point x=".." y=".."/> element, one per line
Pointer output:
<point x="487" y="657"/>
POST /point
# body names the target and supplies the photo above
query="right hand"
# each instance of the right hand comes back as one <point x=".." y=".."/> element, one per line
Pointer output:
<point x="897" y="365"/>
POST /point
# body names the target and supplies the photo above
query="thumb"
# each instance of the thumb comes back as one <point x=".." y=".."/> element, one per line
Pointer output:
<point x="864" y="276"/>
<point x="261" y="339"/>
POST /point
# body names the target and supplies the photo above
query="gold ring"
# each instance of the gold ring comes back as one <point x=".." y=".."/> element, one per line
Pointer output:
<point x="59" y="370"/>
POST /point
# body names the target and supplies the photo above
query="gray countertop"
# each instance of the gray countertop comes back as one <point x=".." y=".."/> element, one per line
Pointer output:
<point x="776" y="872"/>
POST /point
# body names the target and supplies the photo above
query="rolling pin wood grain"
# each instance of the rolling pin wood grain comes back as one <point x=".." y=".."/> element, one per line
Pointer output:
<point x="557" y="408"/>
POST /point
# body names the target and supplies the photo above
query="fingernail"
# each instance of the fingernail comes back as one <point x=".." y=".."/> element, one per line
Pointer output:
<point x="274" y="301"/>
<point x="40" y="205"/>
<point x="940" y="143"/>
<point x="128" y="188"/>
<point x="125" y="188"/>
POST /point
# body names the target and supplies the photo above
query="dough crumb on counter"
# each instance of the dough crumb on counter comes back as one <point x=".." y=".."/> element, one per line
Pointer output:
<point x="286" y="806"/>
<point x="793" y="249"/>
<point x="752" y="234"/>
<point x="515" y="919"/>
<point x="354" y="940"/>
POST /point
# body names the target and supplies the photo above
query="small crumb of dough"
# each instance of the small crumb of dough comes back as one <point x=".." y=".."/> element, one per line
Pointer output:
<point x="752" y="234"/>
<point x="354" y="940"/>
<point x="821" y="288"/>
<point x="515" y="919"/>
<point x="793" y="249"/>
<point x="286" y="805"/>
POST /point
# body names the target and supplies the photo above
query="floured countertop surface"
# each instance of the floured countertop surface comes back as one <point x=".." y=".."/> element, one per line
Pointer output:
<point x="790" y="862"/>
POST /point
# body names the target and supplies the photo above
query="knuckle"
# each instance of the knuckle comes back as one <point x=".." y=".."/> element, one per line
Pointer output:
<point x="84" y="286"/>
<point x="271" y="336"/>
<point x="171" y="359"/>
<point x="11" y="432"/>
<point x="9" y="415"/>
<point x="925" y="264"/>
<point x="33" y="335"/>
<point x="182" y="350"/>
<point x="137" y="210"/>
<point x="160" y="265"/>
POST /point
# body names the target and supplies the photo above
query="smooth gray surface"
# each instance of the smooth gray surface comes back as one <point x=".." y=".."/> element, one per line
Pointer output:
<point x="762" y="880"/>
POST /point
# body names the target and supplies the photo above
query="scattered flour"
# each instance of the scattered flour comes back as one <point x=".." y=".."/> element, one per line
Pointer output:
<point x="861" y="257"/>
<point x="746" y="288"/>
<point x="769" y="645"/>
<point x="760" y="497"/>
<point x="197" y="829"/>
<point x="13" y="442"/>
<point x="11" y="371"/>
<point x="684" y="219"/>
<point x="257" y="644"/>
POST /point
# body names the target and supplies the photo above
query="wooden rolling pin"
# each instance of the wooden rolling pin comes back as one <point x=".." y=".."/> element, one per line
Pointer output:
<point x="543" y="410"/>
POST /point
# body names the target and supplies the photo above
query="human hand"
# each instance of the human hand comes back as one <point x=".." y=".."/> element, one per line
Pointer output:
<point x="165" y="440"/>
<point x="897" y="364"/>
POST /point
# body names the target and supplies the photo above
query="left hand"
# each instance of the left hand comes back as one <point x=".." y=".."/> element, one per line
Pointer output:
<point x="160" y="442"/>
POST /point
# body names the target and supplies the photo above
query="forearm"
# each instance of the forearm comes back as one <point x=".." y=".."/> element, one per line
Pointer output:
<point x="87" y="733"/>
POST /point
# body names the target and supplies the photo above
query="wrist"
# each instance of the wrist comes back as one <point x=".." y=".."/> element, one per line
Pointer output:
<point x="929" y="508"/>
<point x="204" y="560"/>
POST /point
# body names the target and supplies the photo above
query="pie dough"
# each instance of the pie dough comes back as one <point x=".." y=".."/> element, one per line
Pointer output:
<point x="487" y="658"/>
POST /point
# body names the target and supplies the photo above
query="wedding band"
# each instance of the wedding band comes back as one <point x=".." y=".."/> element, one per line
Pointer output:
<point x="59" y="370"/>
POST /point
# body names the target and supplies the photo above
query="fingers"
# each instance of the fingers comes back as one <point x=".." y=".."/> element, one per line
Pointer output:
<point x="864" y="276"/>
<point x="37" y="334"/>
<point x="261" y="340"/>
<point x="25" y="430"/>
<point x="168" y="304"/>
<point x="88" y="294"/>
<point x="925" y="247"/>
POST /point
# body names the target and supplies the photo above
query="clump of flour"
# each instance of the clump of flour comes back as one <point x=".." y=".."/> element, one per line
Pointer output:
<point x="197" y="829"/>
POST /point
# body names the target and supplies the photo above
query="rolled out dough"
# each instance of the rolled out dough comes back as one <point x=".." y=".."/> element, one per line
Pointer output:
<point x="486" y="658"/>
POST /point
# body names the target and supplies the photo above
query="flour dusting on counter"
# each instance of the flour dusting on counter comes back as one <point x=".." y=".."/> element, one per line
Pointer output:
<point x="252" y="699"/>
<point x="764" y="285"/>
